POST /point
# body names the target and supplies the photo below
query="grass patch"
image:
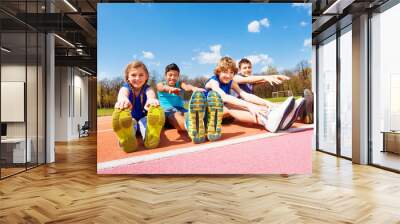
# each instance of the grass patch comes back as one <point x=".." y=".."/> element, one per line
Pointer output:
<point x="280" y="99"/>
<point x="104" y="112"/>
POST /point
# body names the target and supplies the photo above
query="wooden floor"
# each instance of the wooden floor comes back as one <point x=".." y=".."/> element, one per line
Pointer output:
<point x="70" y="191"/>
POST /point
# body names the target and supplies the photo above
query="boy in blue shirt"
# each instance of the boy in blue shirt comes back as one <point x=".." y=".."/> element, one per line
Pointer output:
<point x="170" y="95"/>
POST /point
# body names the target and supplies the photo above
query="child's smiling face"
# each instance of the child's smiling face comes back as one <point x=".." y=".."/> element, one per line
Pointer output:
<point x="245" y="69"/>
<point x="226" y="76"/>
<point x="137" y="77"/>
<point x="172" y="77"/>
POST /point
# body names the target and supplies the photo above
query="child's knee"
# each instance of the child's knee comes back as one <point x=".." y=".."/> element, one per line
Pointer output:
<point x="226" y="112"/>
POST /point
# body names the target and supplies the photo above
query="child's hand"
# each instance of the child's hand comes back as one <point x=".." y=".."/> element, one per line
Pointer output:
<point x="173" y="90"/>
<point x="151" y="102"/>
<point x="198" y="89"/>
<point x="123" y="103"/>
<point x="275" y="79"/>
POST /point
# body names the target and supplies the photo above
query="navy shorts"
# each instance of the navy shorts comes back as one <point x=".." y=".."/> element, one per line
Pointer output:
<point x="170" y="111"/>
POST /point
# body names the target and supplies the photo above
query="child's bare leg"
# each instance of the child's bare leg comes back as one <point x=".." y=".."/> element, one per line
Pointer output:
<point x="177" y="120"/>
<point x="226" y="112"/>
<point x="270" y="104"/>
<point x="243" y="116"/>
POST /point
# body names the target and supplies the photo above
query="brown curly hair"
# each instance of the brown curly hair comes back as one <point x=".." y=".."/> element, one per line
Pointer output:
<point x="225" y="64"/>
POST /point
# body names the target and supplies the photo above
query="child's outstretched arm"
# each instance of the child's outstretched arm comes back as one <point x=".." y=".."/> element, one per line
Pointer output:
<point x="250" y="97"/>
<point x="255" y="110"/>
<point x="165" y="88"/>
<point x="212" y="84"/>
<point x="188" y="87"/>
<point x="249" y="79"/>
<point x="272" y="79"/>
<point x="151" y="99"/>
<point x="123" y="99"/>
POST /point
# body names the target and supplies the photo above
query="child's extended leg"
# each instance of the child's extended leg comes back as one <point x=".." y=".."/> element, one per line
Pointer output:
<point x="177" y="120"/>
<point x="151" y="126"/>
<point x="271" y="121"/>
<point x="243" y="116"/>
<point x="122" y="124"/>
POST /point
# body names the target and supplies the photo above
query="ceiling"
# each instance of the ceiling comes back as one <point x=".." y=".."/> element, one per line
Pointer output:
<point x="330" y="15"/>
<point x="75" y="23"/>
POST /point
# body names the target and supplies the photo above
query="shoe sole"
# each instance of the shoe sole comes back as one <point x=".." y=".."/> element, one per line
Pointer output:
<point x="196" y="129"/>
<point x="286" y="113"/>
<point x="215" y="109"/>
<point x="155" y="123"/>
<point x="122" y="126"/>
<point x="281" y="119"/>
<point x="298" y="111"/>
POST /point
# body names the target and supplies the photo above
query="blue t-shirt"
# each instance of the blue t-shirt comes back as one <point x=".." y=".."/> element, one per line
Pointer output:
<point x="168" y="100"/>
<point x="247" y="87"/>
<point x="138" y="110"/>
<point x="226" y="87"/>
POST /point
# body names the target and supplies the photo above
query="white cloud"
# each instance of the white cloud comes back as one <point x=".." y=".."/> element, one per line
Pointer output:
<point x="148" y="54"/>
<point x="254" y="27"/>
<point x="265" y="68"/>
<point x="302" y="5"/>
<point x="264" y="22"/>
<point x="306" y="6"/>
<point x="302" y="23"/>
<point x="209" y="57"/>
<point x="307" y="42"/>
<point x="262" y="59"/>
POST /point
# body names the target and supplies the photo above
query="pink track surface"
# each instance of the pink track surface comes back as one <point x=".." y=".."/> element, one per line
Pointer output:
<point x="289" y="154"/>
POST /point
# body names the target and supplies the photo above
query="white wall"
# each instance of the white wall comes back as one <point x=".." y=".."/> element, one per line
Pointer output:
<point x="61" y="103"/>
<point x="71" y="87"/>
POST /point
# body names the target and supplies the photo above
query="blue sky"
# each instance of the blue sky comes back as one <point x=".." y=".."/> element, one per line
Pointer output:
<point x="196" y="35"/>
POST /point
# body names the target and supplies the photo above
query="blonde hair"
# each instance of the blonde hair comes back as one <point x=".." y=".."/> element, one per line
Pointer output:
<point x="135" y="64"/>
<point x="225" y="64"/>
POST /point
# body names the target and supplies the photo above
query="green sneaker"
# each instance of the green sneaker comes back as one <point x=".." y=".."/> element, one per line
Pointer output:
<point x="122" y="124"/>
<point x="197" y="109"/>
<point x="155" y="123"/>
<point x="215" y="109"/>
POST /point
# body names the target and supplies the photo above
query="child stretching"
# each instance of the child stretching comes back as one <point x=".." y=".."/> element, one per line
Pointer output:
<point x="248" y="108"/>
<point x="137" y="108"/>
<point x="246" y="81"/>
<point x="170" y="96"/>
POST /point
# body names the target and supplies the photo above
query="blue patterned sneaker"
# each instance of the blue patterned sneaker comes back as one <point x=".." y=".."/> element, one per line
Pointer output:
<point x="197" y="109"/>
<point x="215" y="109"/>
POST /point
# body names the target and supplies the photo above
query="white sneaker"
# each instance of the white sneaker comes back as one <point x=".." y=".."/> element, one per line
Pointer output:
<point x="294" y="114"/>
<point x="273" y="120"/>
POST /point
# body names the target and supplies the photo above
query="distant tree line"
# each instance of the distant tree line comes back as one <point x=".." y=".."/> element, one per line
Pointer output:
<point x="300" y="79"/>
